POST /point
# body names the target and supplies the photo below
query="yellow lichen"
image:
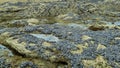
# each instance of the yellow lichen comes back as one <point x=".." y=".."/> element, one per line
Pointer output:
<point x="100" y="46"/>
<point x="99" y="62"/>
<point x="80" y="50"/>
<point x="20" y="47"/>
<point x="47" y="44"/>
<point x="85" y="37"/>
<point x="86" y="44"/>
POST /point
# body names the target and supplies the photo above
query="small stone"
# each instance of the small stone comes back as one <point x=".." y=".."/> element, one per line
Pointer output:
<point x="85" y="37"/>
<point x="100" y="46"/>
<point x="97" y="27"/>
<point x="117" y="38"/>
<point x="33" y="21"/>
<point x="47" y="44"/>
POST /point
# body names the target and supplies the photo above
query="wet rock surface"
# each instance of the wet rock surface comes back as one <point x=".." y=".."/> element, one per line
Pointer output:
<point x="61" y="34"/>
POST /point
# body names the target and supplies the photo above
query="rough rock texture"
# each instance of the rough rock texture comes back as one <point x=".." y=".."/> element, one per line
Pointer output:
<point x="61" y="34"/>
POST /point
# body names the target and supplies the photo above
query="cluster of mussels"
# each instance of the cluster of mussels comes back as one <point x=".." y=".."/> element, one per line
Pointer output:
<point x="67" y="45"/>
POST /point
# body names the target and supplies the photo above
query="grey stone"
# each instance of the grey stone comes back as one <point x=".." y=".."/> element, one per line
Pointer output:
<point x="49" y="38"/>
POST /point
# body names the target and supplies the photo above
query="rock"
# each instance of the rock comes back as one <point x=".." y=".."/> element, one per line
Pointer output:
<point x="111" y="25"/>
<point x="49" y="38"/>
<point x="33" y="21"/>
<point x="4" y="51"/>
<point x="69" y="17"/>
<point x="96" y="27"/>
<point x="31" y="46"/>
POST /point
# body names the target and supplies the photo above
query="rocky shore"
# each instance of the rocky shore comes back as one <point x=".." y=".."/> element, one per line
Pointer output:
<point x="60" y="34"/>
